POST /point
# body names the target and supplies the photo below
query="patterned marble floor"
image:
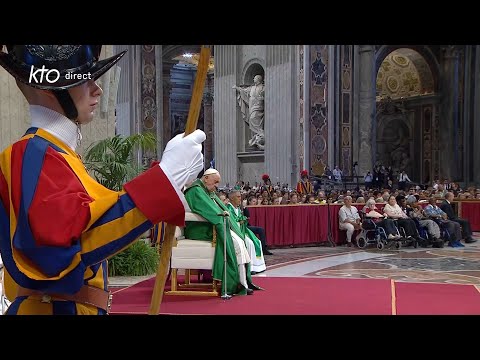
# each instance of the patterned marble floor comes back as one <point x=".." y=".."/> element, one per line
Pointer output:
<point x="446" y="265"/>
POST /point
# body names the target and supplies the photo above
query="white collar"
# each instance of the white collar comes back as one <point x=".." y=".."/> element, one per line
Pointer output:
<point x="56" y="124"/>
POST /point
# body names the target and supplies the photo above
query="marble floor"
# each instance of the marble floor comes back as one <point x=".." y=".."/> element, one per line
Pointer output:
<point x="408" y="264"/>
<point x="445" y="265"/>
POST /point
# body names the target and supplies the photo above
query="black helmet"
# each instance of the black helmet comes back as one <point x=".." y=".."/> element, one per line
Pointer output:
<point x="55" y="67"/>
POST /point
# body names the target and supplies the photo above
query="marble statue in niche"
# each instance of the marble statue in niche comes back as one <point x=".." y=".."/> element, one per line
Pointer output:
<point x="251" y="100"/>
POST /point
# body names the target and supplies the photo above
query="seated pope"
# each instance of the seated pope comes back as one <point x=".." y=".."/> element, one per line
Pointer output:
<point x="202" y="199"/>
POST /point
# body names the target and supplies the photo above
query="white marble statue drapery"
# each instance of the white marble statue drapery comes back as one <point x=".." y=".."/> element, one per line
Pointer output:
<point x="252" y="104"/>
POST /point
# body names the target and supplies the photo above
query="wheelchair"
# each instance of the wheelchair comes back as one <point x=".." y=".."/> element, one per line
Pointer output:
<point x="444" y="233"/>
<point x="371" y="233"/>
<point x="429" y="240"/>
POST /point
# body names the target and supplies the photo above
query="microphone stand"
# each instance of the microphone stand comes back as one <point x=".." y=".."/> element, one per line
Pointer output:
<point x="329" y="230"/>
<point x="225" y="295"/>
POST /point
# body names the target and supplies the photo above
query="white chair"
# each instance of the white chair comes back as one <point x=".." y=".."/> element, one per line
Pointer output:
<point x="192" y="255"/>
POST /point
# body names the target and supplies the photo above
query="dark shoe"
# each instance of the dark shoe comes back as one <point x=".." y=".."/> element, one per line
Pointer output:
<point x="438" y="243"/>
<point x="267" y="252"/>
<point x="253" y="273"/>
<point x="249" y="292"/>
<point x="470" y="240"/>
<point x="254" y="287"/>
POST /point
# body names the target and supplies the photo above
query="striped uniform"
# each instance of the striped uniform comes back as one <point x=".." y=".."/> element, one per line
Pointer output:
<point x="58" y="226"/>
<point x="304" y="187"/>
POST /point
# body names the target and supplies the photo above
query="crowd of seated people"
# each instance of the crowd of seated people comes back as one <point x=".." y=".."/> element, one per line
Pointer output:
<point x="283" y="195"/>
<point x="407" y="206"/>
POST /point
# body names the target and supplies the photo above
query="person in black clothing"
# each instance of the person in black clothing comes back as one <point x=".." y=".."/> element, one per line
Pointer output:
<point x="447" y="208"/>
<point x="259" y="231"/>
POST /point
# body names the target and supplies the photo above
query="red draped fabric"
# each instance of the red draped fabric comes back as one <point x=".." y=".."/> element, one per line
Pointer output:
<point x="297" y="224"/>
<point x="290" y="224"/>
<point x="471" y="211"/>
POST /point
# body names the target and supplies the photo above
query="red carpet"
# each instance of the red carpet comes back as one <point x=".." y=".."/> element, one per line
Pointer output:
<point x="436" y="299"/>
<point x="282" y="296"/>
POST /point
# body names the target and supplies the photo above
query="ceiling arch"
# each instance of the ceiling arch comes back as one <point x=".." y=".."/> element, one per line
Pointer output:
<point x="404" y="73"/>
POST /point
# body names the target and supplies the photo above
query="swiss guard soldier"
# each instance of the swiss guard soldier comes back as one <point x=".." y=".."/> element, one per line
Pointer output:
<point x="58" y="226"/>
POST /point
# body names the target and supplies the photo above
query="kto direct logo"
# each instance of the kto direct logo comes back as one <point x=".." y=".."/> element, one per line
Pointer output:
<point x="52" y="75"/>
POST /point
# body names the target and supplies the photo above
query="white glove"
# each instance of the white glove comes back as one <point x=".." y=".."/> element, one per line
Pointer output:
<point x="182" y="159"/>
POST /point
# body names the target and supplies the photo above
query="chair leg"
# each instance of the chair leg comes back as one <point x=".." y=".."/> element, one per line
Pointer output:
<point x="174" y="280"/>
<point x="187" y="276"/>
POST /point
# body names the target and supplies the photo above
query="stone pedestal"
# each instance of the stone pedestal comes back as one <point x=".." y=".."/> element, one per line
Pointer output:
<point x="251" y="166"/>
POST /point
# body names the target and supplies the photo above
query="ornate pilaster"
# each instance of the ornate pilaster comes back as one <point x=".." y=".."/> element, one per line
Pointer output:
<point x="345" y="86"/>
<point x="318" y="108"/>
<point x="167" y="90"/>
<point x="148" y="96"/>
<point x="303" y="127"/>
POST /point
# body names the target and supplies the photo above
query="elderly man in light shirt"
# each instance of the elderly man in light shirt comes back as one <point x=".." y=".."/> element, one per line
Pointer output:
<point x="349" y="219"/>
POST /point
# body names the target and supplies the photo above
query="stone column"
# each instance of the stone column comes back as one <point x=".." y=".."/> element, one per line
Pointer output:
<point x="366" y="113"/>
<point x="208" y="128"/>
<point x="225" y="110"/>
<point x="448" y="116"/>
<point x="281" y="135"/>
<point x="476" y="117"/>
<point x="468" y="97"/>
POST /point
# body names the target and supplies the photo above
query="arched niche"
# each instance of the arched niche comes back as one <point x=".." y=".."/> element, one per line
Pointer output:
<point x="250" y="70"/>
<point x="407" y="83"/>
<point x="395" y="141"/>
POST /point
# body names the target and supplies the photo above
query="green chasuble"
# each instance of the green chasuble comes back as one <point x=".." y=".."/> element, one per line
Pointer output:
<point x="208" y="205"/>
<point x="242" y="222"/>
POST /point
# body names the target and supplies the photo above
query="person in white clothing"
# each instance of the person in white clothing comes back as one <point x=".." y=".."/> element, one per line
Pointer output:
<point x="337" y="174"/>
<point x="349" y="219"/>
<point x="402" y="180"/>
<point x="253" y="244"/>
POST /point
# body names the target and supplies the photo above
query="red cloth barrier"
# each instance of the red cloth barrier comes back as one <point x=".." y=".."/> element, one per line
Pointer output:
<point x="290" y="225"/>
<point x="287" y="225"/>
<point x="471" y="211"/>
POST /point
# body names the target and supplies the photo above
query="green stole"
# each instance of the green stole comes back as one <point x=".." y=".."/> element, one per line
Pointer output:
<point x="242" y="222"/>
